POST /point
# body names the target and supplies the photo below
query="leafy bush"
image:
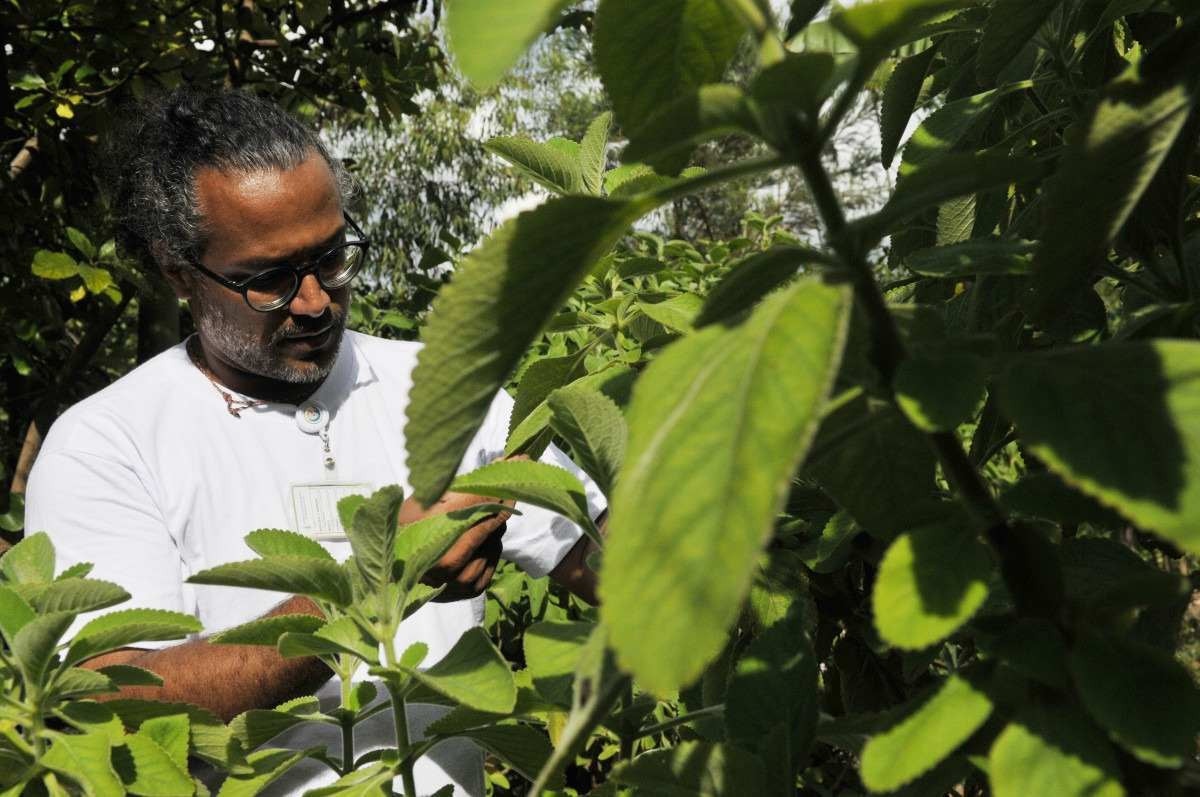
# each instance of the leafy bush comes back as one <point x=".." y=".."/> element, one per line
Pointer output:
<point x="912" y="540"/>
<point x="887" y="532"/>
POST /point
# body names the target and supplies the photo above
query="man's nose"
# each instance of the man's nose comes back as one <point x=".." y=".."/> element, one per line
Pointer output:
<point x="311" y="299"/>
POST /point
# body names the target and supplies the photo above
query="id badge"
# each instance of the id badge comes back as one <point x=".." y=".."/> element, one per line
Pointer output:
<point x="315" y="508"/>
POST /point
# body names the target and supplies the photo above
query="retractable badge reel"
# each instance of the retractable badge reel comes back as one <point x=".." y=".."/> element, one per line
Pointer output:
<point x="313" y="417"/>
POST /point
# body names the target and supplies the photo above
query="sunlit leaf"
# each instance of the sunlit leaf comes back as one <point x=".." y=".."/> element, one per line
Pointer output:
<point x="923" y="739"/>
<point x="718" y="424"/>
<point x="930" y="582"/>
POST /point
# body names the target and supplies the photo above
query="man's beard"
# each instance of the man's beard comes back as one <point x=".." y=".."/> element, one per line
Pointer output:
<point x="242" y="349"/>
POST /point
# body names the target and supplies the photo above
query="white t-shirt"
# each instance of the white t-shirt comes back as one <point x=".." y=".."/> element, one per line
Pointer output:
<point x="152" y="480"/>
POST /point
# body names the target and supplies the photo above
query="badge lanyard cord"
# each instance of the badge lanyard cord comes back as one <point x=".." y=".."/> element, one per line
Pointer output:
<point x="308" y="415"/>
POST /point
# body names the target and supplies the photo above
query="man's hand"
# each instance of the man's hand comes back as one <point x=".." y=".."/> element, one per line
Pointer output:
<point x="467" y="567"/>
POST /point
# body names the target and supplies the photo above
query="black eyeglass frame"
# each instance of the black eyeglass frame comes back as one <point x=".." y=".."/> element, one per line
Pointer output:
<point x="243" y="286"/>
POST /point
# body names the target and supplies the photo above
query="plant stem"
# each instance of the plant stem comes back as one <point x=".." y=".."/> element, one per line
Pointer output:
<point x="400" y="716"/>
<point x="347" y="725"/>
<point x="716" y="176"/>
<point x="888" y="352"/>
<point x="682" y="719"/>
<point x="627" y="740"/>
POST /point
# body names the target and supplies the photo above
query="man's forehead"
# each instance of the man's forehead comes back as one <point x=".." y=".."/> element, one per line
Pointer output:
<point x="267" y="212"/>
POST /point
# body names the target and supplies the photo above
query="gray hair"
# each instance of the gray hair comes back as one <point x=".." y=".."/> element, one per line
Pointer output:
<point x="153" y="156"/>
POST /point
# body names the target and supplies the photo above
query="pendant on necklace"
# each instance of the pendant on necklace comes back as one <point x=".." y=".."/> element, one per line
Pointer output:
<point x="313" y="417"/>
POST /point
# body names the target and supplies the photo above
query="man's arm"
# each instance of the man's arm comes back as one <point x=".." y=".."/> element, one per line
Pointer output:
<point x="573" y="571"/>
<point x="225" y="679"/>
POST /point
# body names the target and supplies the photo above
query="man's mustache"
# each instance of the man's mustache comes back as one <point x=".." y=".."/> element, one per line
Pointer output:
<point x="295" y="329"/>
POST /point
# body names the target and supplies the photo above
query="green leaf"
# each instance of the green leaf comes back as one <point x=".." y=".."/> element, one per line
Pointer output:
<point x="1010" y="26"/>
<point x="421" y="544"/>
<point x="802" y="13"/>
<point x="1104" y="576"/>
<point x="694" y="769"/>
<point x="77" y="570"/>
<point x="372" y="780"/>
<point x="974" y="257"/>
<point x="523" y="748"/>
<point x="298" y="575"/>
<point x="96" y="280"/>
<point x="799" y="82"/>
<point x="15" y="613"/>
<point x="939" y="391"/>
<point x="267" y="630"/>
<point x="266" y="766"/>
<point x="900" y="100"/>
<point x="34" y="645"/>
<point x="54" y="265"/>
<point x="930" y="582"/>
<point x="544" y="164"/>
<point x="752" y="278"/>
<point x="347" y="634"/>
<point x="77" y="682"/>
<point x="830" y="549"/>
<point x="85" y="759"/>
<point x="88" y="716"/>
<point x="253" y="728"/>
<point x="277" y="542"/>
<point x="598" y="684"/>
<point x="1138" y="451"/>
<point x="474" y="674"/>
<point x="487" y="40"/>
<point x="718" y="424"/>
<point x="346" y="508"/>
<point x="945" y="129"/>
<point x="771" y="705"/>
<point x="628" y="179"/>
<point x="1034" y="647"/>
<point x="171" y="733"/>
<point x="876" y="28"/>
<point x="649" y="54"/>
<point x="552" y="650"/>
<point x="593" y="150"/>
<point x="1110" y="160"/>
<point x="1044" y="495"/>
<point x="1052" y="750"/>
<point x="337" y="637"/>
<point x="539" y="380"/>
<point x="943" y="178"/>
<point x="676" y="313"/>
<point x="157" y="774"/>
<point x="481" y="324"/>
<point x="209" y="737"/>
<point x="875" y="465"/>
<point x="82" y="243"/>
<point x="537" y="483"/>
<point x="122" y="628"/>
<point x="924" y="738"/>
<point x="594" y="428"/>
<point x="372" y="536"/>
<point x="1142" y="696"/>
<point x="614" y="381"/>
<point x="128" y="675"/>
<point x="13" y="518"/>
<point x="77" y="595"/>
<point x="30" y="561"/>
<point x="665" y="141"/>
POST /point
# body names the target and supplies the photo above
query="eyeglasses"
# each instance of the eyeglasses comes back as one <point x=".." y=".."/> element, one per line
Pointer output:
<point x="276" y="287"/>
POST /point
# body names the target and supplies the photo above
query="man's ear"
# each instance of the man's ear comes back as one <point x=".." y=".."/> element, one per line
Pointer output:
<point x="174" y="272"/>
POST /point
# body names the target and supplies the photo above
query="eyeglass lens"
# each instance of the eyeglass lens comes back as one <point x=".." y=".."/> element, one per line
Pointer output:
<point x="277" y="287"/>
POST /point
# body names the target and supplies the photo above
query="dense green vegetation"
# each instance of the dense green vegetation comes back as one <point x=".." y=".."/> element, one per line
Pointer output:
<point x="906" y="504"/>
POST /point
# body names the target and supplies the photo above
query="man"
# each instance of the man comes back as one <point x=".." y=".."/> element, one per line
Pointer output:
<point x="263" y="419"/>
